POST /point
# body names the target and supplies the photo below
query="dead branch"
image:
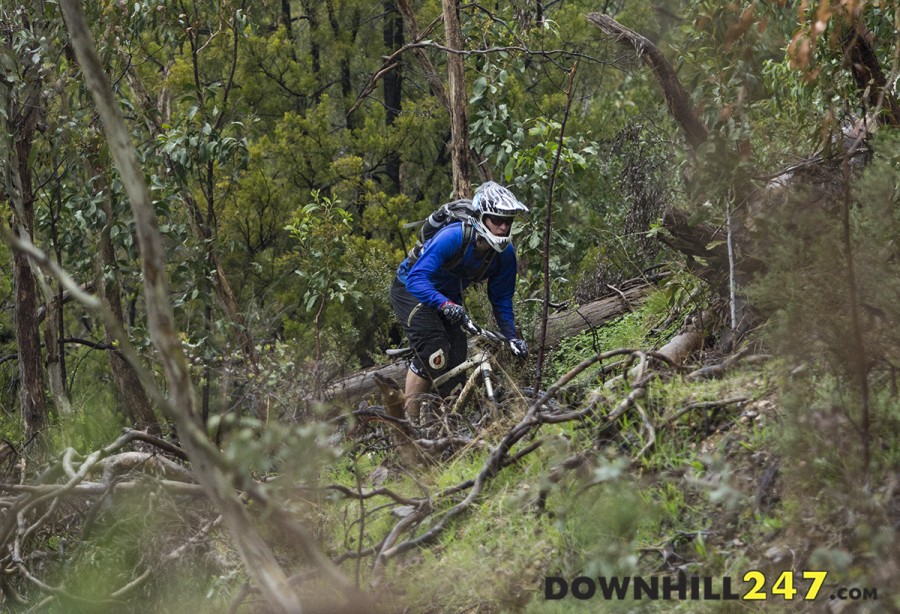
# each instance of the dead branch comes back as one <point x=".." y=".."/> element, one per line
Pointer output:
<point x="125" y="462"/>
<point x="74" y="469"/>
<point x="677" y="99"/>
<point x="682" y="346"/>
<point x="703" y="405"/>
<point x="98" y="489"/>
<point x="548" y="227"/>
<point x="720" y="369"/>
<point x="378" y="492"/>
<point x="496" y="461"/>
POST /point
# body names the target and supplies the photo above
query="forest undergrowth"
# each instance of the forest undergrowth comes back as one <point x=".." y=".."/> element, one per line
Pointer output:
<point x="634" y="466"/>
<point x="707" y="473"/>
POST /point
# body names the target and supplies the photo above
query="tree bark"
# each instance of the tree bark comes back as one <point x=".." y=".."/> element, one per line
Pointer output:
<point x="286" y="20"/>
<point x="434" y="80"/>
<point x="28" y="340"/>
<point x="346" y="78"/>
<point x="867" y="73"/>
<point x="309" y="7"/>
<point x="55" y="330"/>
<point x="459" y="124"/>
<point x="393" y="88"/>
<point x="17" y="132"/>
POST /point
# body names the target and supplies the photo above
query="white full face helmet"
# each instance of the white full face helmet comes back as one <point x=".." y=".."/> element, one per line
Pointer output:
<point x="492" y="199"/>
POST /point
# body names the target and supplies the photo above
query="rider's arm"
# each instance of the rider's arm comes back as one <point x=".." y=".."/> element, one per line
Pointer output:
<point x="501" y="287"/>
<point x="439" y="249"/>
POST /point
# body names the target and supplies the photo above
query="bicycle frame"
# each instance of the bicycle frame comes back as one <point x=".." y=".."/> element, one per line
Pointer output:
<point x="482" y="363"/>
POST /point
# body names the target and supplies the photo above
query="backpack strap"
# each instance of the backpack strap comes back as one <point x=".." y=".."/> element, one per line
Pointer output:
<point x="468" y="231"/>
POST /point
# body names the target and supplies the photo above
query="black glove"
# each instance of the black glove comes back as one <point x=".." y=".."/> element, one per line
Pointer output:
<point x="518" y="347"/>
<point x="453" y="313"/>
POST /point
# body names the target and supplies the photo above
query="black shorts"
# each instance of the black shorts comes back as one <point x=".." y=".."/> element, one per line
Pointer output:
<point x="437" y="345"/>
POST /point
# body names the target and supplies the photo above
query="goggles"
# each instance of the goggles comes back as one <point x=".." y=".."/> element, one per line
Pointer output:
<point x="499" y="220"/>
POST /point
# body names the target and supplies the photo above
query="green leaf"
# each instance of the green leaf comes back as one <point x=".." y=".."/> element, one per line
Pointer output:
<point x="508" y="169"/>
<point x="479" y="87"/>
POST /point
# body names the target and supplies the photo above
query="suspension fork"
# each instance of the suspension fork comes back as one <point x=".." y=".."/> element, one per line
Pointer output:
<point x="487" y="372"/>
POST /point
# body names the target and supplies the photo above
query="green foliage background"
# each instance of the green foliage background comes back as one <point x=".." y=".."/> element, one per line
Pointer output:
<point x="269" y="157"/>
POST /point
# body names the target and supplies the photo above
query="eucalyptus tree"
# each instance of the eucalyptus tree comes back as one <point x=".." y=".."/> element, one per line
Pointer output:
<point x="21" y="111"/>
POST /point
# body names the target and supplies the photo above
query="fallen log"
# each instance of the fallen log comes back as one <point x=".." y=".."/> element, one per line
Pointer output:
<point x="362" y="385"/>
<point x="596" y="313"/>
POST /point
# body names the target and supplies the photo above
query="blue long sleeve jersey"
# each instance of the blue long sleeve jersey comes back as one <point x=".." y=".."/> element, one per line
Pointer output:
<point x="432" y="284"/>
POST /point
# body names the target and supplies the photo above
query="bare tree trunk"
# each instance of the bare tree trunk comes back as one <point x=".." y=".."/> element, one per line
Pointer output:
<point x="286" y="20"/>
<point x="548" y="227"/>
<point x="129" y="389"/>
<point x="393" y="87"/>
<point x="54" y="326"/>
<point x="55" y="377"/>
<point x="28" y="340"/>
<point x="217" y="483"/>
<point x="17" y="133"/>
<point x="309" y="7"/>
<point x="437" y="86"/>
<point x="459" y="124"/>
<point x="434" y="80"/>
<point x="336" y="29"/>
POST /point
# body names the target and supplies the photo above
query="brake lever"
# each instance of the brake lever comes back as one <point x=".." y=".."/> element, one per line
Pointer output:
<point x="470" y="327"/>
<point x="473" y="329"/>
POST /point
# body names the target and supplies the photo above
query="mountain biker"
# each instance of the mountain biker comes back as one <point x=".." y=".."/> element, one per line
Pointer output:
<point x="427" y="295"/>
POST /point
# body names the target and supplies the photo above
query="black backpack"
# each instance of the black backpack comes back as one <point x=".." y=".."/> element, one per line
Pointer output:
<point x="456" y="211"/>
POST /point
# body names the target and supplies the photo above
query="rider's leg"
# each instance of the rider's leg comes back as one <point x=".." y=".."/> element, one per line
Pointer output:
<point x="437" y="345"/>
<point x="455" y="356"/>
<point x="415" y="387"/>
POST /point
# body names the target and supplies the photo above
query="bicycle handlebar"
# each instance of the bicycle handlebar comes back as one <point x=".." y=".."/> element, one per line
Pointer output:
<point x="473" y="329"/>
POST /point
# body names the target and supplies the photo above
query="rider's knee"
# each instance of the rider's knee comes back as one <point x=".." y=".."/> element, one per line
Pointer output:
<point x="432" y="361"/>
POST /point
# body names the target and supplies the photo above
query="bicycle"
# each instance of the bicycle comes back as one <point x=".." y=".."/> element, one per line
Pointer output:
<point x="456" y="420"/>
<point x="462" y="423"/>
<point x="479" y="360"/>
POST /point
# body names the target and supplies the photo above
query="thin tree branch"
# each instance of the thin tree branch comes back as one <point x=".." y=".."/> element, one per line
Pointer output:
<point x="545" y="307"/>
